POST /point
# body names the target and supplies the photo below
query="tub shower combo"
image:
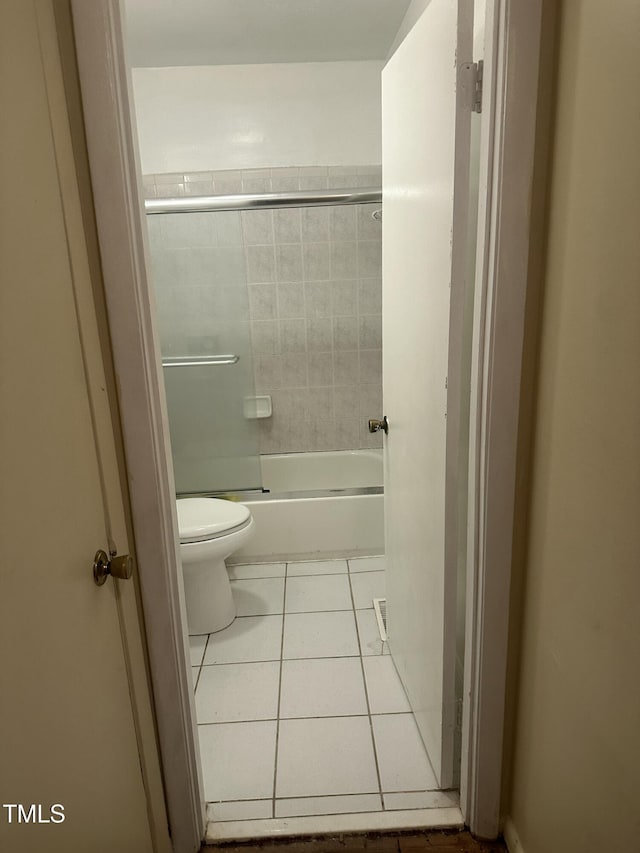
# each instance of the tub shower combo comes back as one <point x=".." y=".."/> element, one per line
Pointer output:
<point x="269" y="310"/>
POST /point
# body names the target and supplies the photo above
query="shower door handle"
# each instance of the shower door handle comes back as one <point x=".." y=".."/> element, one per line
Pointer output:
<point x="376" y="426"/>
<point x="200" y="360"/>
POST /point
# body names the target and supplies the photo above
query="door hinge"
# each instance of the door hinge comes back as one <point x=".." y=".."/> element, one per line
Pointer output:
<point x="478" y="72"/>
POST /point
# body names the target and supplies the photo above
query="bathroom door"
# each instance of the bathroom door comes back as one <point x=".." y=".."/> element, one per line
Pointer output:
<point x="74" y="710"/>
<point x="426" y="109"/>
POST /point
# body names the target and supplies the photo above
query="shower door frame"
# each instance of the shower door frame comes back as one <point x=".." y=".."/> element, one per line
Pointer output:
<point x="507" y="159"/>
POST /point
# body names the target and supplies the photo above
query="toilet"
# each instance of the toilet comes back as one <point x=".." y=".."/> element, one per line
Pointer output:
<point x="210" y="529"/>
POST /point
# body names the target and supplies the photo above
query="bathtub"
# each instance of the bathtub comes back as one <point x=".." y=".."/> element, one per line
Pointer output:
<point x="319" y="505"/>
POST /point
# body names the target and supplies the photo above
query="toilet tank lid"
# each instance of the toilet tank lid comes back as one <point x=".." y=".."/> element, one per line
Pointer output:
<point x="200" y="518"/>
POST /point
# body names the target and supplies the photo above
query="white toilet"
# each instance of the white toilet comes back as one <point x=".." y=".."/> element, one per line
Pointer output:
<point x="211" y="529"/>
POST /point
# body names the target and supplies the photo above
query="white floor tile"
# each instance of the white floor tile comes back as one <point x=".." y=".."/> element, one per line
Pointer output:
<point x="317" y="567"/>
<point x="258" y="596"/>
<point x="238" y="760"/>
<point x="367" y="564"/>
<point x="370" y="641"/>
<point x="402" y="759"/>
<point x="320" y="592"/>
<point x="366" y="586"/>
<point x="385" y="690"/>
<point x="320" y="635"/>
<point x="421" y="800"/>
<point x="331" y="687"/>
<point x="197" y="645"/>
<point x="240" y="810"/>
<point x="348" y="804"/>
<point x="249" y="638"/>
<point x="257" y="570"/>
<point x="238" y="691"/>
<point x="328" y="756"/>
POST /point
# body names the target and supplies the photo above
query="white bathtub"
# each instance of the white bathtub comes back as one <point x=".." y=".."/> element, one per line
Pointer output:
<point x="319" y="505"/>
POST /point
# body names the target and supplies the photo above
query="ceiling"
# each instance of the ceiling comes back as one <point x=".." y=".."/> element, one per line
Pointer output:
<point x="230" y="32"/>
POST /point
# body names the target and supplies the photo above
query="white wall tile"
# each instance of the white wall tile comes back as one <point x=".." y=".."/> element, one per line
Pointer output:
<point x="278" y="268"/>
<point x="316" y="261"/>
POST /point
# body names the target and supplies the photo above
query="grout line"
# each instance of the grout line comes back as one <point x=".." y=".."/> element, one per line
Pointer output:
<point x="376" y="811"/>
<point x="289" y="719"/>
<point x="262" y="577"/>
<point x="306" y="612"/>
<point x="368" y="715"/>
<point x="328" y="796"/>
<point x="275" y="757"/>
<point x="239" y="723"/>
<point x="366" y="694"/>
<point x="243" y="662"/>
<point x="204" y="651"/>
<point x="302" y="612"/>
<point x="340" y="716"/>
<point x="273" y="660"/>
<point x="321" y="575"/>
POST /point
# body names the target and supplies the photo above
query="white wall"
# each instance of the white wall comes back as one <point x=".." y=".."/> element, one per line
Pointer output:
<point x="417" y="7"/>
<point x="253" y="116"/>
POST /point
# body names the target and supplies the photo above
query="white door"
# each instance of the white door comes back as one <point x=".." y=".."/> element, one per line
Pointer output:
<point x="68" y="734"/>
<point x="426" y="108"/>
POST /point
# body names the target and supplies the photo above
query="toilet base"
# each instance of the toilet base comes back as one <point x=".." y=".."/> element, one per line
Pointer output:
<point x="209" y="602"/>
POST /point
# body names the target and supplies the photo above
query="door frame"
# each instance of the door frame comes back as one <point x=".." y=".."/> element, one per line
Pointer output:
<point x="114" y="165"/>
<point x="510" y="111"/>
<point x="508" y="127"/>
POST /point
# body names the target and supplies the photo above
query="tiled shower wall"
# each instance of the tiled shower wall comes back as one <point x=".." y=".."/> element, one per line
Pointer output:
<point x="313" y="278"/>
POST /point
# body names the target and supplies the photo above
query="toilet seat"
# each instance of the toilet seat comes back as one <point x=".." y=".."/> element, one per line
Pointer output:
<point x="200" y="519"/>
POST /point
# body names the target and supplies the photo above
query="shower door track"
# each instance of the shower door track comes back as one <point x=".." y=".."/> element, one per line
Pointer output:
<point x="255" y="495"/>
<point x="264" y="201"/>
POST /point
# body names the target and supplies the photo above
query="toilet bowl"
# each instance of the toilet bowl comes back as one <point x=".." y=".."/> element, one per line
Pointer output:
<point x="210" y="529"/>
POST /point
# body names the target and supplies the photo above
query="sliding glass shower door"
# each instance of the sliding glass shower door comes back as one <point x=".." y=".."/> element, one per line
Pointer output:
<point x="201" y="292"/>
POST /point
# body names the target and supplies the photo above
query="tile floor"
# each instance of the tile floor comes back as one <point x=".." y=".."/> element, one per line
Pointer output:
<point x="300" y="710"/>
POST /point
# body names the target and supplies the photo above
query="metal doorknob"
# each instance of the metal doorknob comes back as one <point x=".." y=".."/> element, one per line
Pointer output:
<point x="119" y="567"/>
<point x="376" y="426"/>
